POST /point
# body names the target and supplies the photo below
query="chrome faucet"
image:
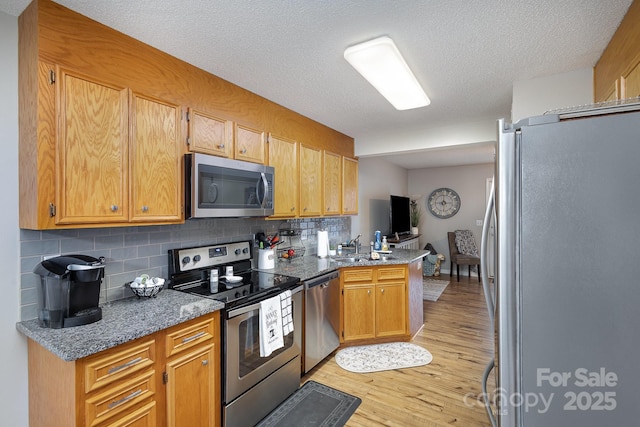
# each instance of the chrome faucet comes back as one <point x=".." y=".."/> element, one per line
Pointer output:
<point x="356" y="243"/>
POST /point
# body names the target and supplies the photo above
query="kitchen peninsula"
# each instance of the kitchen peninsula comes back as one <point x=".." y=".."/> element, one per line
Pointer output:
<point x="363" y="282"/>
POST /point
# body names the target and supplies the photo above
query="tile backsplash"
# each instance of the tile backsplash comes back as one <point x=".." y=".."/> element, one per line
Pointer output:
<point x="131" y="251"/>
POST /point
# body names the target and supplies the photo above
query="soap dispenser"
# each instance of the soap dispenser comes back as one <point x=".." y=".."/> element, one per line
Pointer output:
<point x="385" y="245"/>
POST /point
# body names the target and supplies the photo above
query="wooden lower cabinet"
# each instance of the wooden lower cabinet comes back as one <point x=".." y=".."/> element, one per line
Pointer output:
<point x="186" y="374"/>
<point x="359" y="312"/>
<point x="374" y="302"/>
<point x="142" y="417"/>
<point x="192" y="374"/>
<point x="170" y="378"/>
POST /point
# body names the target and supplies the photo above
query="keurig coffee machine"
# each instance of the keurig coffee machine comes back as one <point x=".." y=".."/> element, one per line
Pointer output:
<point x="69" y="290"/>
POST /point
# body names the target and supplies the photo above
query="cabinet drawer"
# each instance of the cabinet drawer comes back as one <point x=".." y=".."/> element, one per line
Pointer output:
<point x="188" y="335"/>
<point x="141" y="417"/>
<point x="388" y="273"/>
<point x="357" y="275"/>
<point x="115" y="400"/>
<point x="110" y="366"/>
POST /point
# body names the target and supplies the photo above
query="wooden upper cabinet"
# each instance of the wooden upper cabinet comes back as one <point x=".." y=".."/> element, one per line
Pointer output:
<point x="249" y="144"/>
<point x="155" y="164"/>
<point x="616" y="75"/>
<point x="118" y="158"/>
<point x="332" y="183"/>
<point x="283" y="156"/>
<point x="310" y="174"/>
<point x="210" y="134"/>
<point x="349" y="186"/>
<point x="632" y="82"/>
<point x="92" y="147"/>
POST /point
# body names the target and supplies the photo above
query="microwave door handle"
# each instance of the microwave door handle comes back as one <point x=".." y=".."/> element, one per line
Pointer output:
<point x="265" y="185"/>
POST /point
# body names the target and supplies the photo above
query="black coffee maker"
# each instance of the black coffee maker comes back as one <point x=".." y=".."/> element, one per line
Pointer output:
<point x="69" y="290"/>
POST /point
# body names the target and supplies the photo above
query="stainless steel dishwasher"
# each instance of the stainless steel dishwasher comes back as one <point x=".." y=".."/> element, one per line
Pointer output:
<point x="322" y="318"/>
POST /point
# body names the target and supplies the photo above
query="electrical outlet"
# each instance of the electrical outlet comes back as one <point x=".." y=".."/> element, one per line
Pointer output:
<point x="479" y="222"/>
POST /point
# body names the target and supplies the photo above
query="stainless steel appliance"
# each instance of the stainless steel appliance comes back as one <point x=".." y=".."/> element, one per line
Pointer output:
<point x="252" y="385"/>
<point x="69" y="290"/>
<point x="565" y="304"/>
<point x="322" y="318"/>
<point x="221" y="187"/>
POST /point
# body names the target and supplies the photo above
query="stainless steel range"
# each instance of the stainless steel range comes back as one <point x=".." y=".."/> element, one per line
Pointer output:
<point x="252" y="385"/>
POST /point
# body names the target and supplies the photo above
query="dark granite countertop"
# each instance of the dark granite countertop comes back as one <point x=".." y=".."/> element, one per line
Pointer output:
<point x="311" y="266"/>
<point x="122" y="321"/>
<point x="131" y="318"/>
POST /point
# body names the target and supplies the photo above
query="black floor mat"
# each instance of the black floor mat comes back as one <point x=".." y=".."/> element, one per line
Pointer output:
<point x="313" y="404"/>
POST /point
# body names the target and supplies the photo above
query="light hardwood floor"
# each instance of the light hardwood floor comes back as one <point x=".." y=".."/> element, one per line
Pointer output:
<point x="445" y="392"/>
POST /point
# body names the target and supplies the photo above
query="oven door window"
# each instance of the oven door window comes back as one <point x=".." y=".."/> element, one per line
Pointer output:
<point x="230" y="188"/>
<point x="249" y="359"/>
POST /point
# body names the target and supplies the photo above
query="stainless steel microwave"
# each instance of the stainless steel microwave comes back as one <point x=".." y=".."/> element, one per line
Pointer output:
<point x="221" y="187"/>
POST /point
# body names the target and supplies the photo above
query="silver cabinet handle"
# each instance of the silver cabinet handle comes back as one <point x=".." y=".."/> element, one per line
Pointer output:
<point x="293" y="208"/>
<point x="243" y="151"/>
<point x="114" y="208"/>
<point x="145" y="208"/>
<point x="221" y="146"/>
<point x="205" y="362"/>
<point x="369" y="292"/>
<point x="123" y="366"/>
<point x="195" y="337"/>
<point x="382" y="291"/>
<point x="125" y="399"/>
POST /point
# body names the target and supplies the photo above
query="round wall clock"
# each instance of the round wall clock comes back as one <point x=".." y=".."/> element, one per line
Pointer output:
<point x="443" y="203"/>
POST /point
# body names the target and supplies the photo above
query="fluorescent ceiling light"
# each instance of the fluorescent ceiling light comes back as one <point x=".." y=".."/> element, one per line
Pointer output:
<point x="380" y="62"/>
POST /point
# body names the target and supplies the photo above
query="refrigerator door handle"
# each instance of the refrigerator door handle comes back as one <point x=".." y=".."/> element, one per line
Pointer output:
<point x="484" y="244"/>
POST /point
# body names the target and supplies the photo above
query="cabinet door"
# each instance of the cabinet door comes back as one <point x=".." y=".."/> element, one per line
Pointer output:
<point x="359" y="312"/>
<point x="632" y="82"/>
<point x="332" y="184"/>
<point x="283" y="156"/>
<point x="249" y="144"/>
<point x="349" y="186"/>
<point x="191" y="389"/>
<point x="390" y="309"/>
<point x="310" y="181"/>
<point x="209" y="134"/>
<point x="156" y="184"/>
<point x="92" y="151"/>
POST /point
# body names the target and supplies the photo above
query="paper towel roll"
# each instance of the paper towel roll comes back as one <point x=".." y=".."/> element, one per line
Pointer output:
<point x="323" y="243"/>
<point x="266" y="259"/>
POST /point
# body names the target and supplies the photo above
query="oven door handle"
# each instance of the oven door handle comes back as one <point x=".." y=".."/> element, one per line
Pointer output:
<point x="242" y="310"/>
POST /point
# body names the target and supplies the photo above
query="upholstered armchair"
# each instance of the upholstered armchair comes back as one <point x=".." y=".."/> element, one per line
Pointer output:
<point x="466" y="255"/>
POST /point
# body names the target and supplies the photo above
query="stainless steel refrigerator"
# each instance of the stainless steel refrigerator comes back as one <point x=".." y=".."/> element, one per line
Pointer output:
<point x="565" y="302"/>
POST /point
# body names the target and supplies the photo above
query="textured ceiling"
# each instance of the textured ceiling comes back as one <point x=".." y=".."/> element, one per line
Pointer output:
<point x="466" y="54"/>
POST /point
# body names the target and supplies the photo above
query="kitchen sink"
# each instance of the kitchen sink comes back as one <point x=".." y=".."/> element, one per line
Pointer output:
<point x="365" y="257"/>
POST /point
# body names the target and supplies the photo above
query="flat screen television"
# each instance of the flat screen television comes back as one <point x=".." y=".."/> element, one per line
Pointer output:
<point x="399" y="215"/>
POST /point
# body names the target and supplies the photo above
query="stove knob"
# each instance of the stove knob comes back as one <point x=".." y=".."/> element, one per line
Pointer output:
<point x="237" y="251"/>
<point x="196" y="258"/>
<point x="245" y="292"/>
<point x="185" y="260"/>
<point x="245" y="251"/>
<point x="237" y="294"/>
